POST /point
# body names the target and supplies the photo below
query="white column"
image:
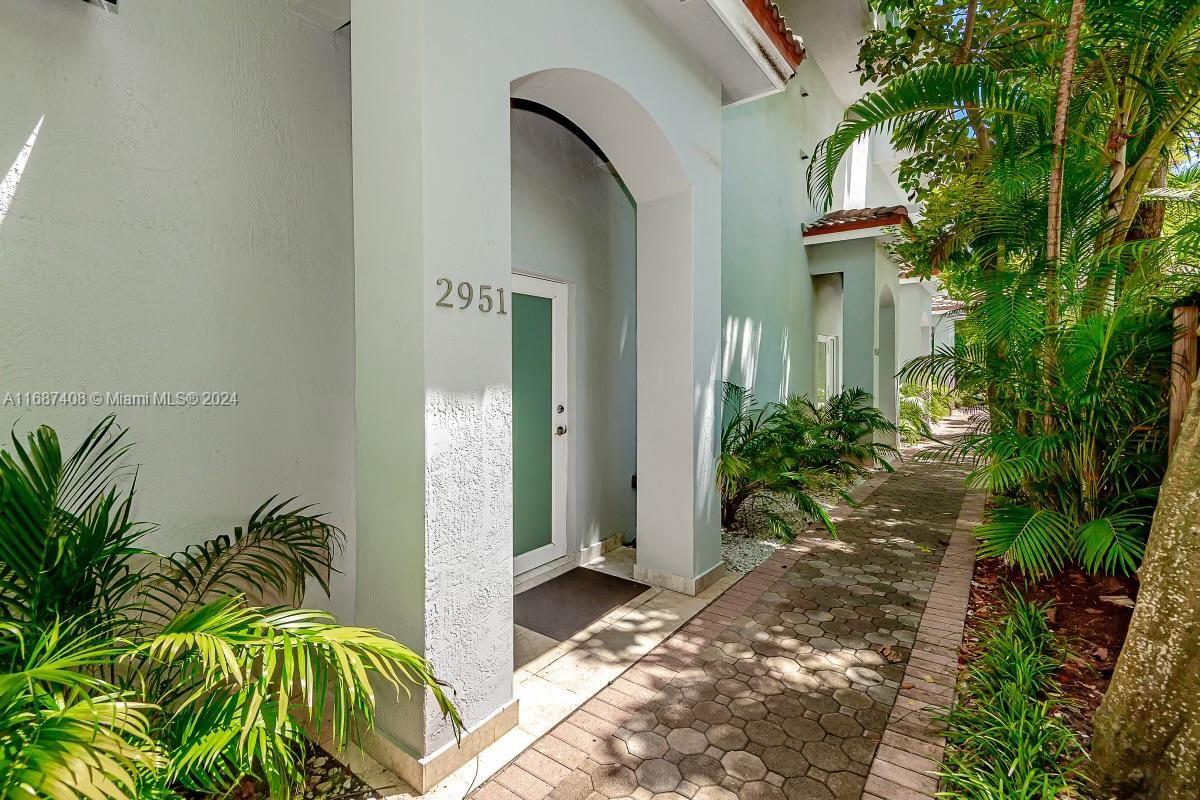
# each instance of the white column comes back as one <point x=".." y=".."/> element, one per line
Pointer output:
<point x="678" y="296"/>
<point x="434" y="447"/>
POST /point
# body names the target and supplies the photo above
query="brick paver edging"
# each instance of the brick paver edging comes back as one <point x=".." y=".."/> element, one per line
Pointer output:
<point x="549" y="767"/>
<point x="906" y="762"/>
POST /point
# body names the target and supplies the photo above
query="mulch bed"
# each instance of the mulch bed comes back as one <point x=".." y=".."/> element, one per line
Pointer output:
<point x="1095" y="629"/>
<point x="325" y="778"/>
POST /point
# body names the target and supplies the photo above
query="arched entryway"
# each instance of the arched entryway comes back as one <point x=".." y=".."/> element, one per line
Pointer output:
<point x="677" y="532"/>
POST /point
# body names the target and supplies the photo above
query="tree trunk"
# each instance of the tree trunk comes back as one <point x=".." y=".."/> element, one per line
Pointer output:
<point x="982" y="138"/>
<point x="1151" y="215"/>
<point x="1147" y="730"/>
<point x="729" y="510"/>
<point x="1058" y="159"/>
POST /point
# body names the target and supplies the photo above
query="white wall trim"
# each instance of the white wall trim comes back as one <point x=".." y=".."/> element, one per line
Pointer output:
<point x="880" y="232"/>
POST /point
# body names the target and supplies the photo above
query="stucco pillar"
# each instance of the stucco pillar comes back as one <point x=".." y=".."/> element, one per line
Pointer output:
<point x="433" y="410"/>
<point x="678" y="289"/>
<point x="860" y="307"/>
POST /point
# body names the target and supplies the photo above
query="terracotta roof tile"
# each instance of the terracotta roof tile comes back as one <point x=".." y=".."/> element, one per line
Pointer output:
<point x="772" y="20"/>
<point x="942" y="303"/>
<point x="855" y="218"/>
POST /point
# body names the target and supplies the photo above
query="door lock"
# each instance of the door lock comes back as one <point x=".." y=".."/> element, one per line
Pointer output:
<point x="560" y="430"/>
<point x="560" y="409"/>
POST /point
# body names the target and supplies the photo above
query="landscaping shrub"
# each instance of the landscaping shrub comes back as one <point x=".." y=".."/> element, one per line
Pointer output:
<point x="915" y="417"/>
<point x="1004" y="739"/>
<point x="941" y="402"/>
<point x="132" y="675"/>
<point x="782" y="455"/>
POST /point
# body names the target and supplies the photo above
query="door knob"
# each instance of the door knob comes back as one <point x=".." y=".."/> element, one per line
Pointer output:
<point x="560" y="430"/>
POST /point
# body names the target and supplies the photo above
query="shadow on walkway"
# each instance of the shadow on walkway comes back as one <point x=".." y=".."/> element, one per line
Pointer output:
<point x="782" y="688"/>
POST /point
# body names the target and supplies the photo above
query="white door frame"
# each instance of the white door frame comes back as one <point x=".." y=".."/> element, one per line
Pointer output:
<point x="833" y="364"/>
<point x="557" y="292"/>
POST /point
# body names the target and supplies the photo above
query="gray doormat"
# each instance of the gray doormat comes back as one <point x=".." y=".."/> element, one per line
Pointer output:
<point x="563" y="606"/>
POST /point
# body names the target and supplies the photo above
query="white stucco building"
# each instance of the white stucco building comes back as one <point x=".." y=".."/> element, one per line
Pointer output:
<point x="926" y="316"/>
<point x="407" y="233"/>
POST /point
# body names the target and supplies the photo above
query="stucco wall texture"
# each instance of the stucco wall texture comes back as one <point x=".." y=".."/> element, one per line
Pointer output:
<point x="767" y="304"/>
<point x="913" y="322"/>
<point x="433" y="199"/>
<point x="183" y="223"/>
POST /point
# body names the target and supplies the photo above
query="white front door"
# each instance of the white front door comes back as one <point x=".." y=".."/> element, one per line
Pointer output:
<point x="540" y="435"/>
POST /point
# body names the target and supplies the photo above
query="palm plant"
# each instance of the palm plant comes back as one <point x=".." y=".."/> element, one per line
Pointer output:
<point x="1079" y="457"/>
<point x="758" y="462"/>
<point x="127" y="674"/>
<point x="851" y="421"/>
<point x="783" y="455"/>
<point x="1067" y="335"/>
<point x="915" y="421"/>
<point x="1078" y="115"/>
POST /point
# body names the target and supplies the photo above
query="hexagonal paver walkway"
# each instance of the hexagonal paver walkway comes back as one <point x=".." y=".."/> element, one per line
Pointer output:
<point x="779" y="690"/>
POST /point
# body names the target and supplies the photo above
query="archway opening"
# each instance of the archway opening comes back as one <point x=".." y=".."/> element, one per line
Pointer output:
<point x="654" y="347"/>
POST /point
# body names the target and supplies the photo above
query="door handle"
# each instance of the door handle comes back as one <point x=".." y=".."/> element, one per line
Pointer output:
<point x="560" y="430"/>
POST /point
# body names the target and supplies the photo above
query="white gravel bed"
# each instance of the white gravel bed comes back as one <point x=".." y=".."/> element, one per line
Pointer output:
<point x="743" y="552"/>
<point x="750" y="544"/>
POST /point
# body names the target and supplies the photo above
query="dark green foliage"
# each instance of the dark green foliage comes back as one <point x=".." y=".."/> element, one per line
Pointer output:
<point x="1067" y="346"/>
<point x="783" y="454"/>
<point x="1079" y="457"/>
<point x="124" y="674"/>
<point x="1004" y="739"/>
<point x="920" y="407"/>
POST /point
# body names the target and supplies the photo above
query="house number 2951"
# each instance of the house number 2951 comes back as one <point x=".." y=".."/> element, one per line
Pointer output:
<point x="485" y="298"/>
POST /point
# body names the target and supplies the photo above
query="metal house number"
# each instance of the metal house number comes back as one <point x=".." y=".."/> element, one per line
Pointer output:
<point x="486" y="298"/>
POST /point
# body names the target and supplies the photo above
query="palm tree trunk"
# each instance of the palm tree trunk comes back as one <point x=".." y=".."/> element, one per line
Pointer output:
<point x="983" y="139"/>
<point x="964" y="51"/>
<point x="1058" y="162"/>
<point x="1147" y="730"/>
<point x="1058" y="159"/>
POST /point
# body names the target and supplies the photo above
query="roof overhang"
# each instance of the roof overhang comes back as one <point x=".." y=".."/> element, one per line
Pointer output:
<point x="932" y="284"/>
<point x="856" y="223"/>
<point x="746" y="44"/>
<point x="871" y="231"/>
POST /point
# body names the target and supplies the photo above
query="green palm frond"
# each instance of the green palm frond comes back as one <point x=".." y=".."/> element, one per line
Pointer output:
<point x="1113" y="545"/>
<point x="228" y="735"/>
<point x="785" y="455"/>
<point x="913" y="99"/>
<point x="281" y="547"/>
<point x="98" y="747"/>
<point x="65" y="534"/>
<point x="1037" y="542"/>
<point x="914" y="420"/>
<point x="238" y="680"/>
<point x="123" y="679"/>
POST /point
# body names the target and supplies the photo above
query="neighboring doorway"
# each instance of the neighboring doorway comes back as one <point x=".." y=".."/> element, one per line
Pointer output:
<point x="828" y="379"/>
<point x="540" y="434"/>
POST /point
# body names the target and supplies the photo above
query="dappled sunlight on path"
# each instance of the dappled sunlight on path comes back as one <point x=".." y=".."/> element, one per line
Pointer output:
<point x="782" y="688"/>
